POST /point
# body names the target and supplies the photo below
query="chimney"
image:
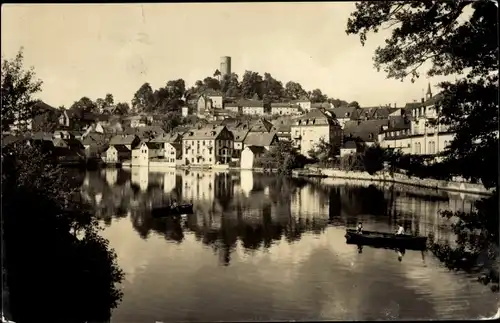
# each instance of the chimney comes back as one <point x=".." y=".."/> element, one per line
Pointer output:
<point x="395" y="105"/>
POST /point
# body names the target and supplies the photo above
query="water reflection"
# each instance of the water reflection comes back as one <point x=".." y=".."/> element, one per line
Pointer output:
<point x="278" y="246"/>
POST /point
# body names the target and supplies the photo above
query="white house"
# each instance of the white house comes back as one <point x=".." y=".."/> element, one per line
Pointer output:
<point x="284" y="109"/>
<point x="145" y="151"/>
<point x="117" y="154"/>
<point x="309" y="129"/>
<point x="185" y="111"/>
<point x="249" y="155"/>
<point x="304" y="103"/>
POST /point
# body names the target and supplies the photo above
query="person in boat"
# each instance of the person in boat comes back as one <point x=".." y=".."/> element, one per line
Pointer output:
<point x="401" y="230"/>
<point x="174" y="204"/>
<point x="359" y="229"/>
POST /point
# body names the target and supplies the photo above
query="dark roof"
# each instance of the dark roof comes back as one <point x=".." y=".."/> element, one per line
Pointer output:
<point x="397" y="123"/>
<point x="41" y="136"/>
<point x="93" y="138"/>
<point x="350" y="144"/>
<point x="210" y="92"/>
<point x="321" y="105"/>
<point x="122" y="140"/>
<point x="10" y="139"/>
<point x="257" y="149"/>
<point x="260" y="139"/>
<point x="261" y="125"/>
<point x="312" y="117"/>
<point x="342" y="112"/>
<point x="366" y="130"/>
<point x="204" y="133"/>
<point x="121" y="148"/>
<point x="153" y="145"/>
<point x="239" y="134"/>
<point x="251" y="103"/>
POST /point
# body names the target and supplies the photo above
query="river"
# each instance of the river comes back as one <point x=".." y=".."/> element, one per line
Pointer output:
<point x="261" y="247"/>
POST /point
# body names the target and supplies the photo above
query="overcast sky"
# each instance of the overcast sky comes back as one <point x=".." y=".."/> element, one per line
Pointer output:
<point x="91" y="50"/>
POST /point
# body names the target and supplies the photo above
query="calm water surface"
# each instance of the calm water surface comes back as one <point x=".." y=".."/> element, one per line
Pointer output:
<point x="263" y="248"/>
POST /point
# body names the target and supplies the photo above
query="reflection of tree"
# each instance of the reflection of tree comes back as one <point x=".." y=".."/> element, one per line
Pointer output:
<point x="363" y="200"/>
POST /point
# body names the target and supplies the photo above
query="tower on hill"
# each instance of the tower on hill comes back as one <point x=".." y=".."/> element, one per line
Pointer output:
<point x="225" y="66"/>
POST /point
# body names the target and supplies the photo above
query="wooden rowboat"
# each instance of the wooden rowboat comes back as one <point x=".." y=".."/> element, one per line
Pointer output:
<point x="169" y="211"/>
<point x="385" y="240"/>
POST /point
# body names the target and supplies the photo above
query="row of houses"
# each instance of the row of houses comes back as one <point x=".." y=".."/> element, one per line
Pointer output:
<point x="141" y="140"/>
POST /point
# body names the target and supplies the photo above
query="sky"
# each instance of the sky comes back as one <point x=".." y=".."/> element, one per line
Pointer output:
<point x="93" y="49"/>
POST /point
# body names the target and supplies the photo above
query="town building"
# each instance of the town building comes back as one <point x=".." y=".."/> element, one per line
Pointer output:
<point x="303" y="103"/>
<point x="117" y="154"/>
<point x="207" y="146"/>
<point x="285" y="109"/>
<point x="249" y="155"/>
<point x="309" y="129"/>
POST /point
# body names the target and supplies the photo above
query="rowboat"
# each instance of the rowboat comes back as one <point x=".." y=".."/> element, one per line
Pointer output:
<point x="172" y="211"/>
<point x="385" y="240"/>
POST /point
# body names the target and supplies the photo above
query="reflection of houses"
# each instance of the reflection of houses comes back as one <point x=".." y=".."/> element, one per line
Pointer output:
<point x="246" y="181"/>
<point x="309" y="129"/>
<point x="198" y="185"/>
<point x="111" y="175"/>
<point x="306" y="203"/>
<point x="140" y="177"/>
<point x="169" y="180"/>
<point x="208" y="146"/>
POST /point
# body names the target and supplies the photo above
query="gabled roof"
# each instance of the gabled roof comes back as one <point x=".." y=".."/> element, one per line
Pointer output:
<point x="47" y="136"/>
<point x="151" y="144"/>
<point x="342" y="112"/>
<point x="167" y="137"/>
<point x="204" y="133"/>
<point x="321" y="105"/>
<point x="284" y="105"/>
<point x="123" y="139"/>
<point x="260" y="139"/>
<point x="121" y="148"/>
<point x="10" y="139"/>
<point x="94" y="138"/>
<point x="240" y="134"/>
<point x="316" y="117"/>
<point x="261" y="125"/>
<point x="367" y="130"/>
<point x="251" y="103"/>
<point x="350" y="144"/>
<point x="257" y="149"/>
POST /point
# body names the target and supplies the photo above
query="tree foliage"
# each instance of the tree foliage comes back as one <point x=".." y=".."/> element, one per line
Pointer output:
<point x="461" y="38"/>
<point x="453" y="42"/>
<point x="323" y="151"/>
<point x="50" y="239"/>
<point x="282" y="157"/>
<point x="18" y="88"/>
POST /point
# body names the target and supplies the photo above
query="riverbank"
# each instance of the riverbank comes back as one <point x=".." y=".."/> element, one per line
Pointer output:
<point x="395" y="178"/>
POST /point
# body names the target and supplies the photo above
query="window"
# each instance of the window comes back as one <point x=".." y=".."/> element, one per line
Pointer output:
<point x="210" y="159"/>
